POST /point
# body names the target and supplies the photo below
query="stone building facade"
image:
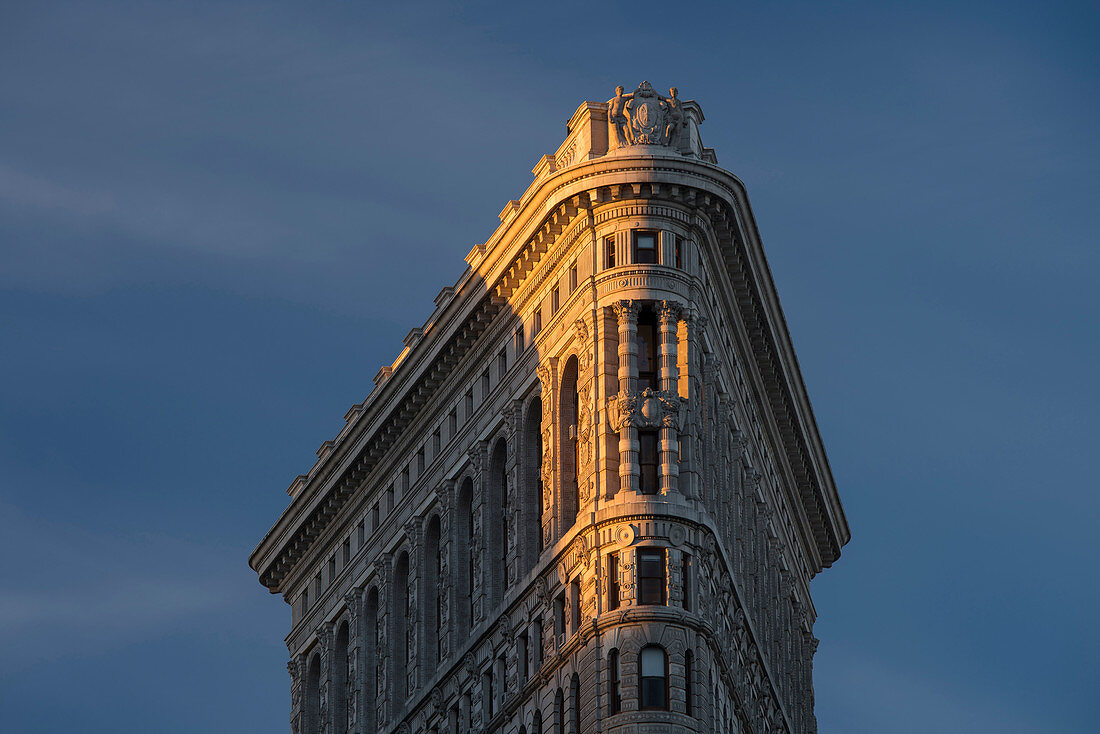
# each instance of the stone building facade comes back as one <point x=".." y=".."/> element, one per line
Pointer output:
<point x="589" y="494"/>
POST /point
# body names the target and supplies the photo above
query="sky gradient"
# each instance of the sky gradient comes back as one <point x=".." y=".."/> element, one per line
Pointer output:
<point x="217" y="221"/>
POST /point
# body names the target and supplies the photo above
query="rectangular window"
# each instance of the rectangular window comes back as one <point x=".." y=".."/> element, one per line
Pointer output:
<point x="361" y="534"/>
<point x="555" y="300"/>
<point x="420" y="461"/>
<point x="685" y="574"/>
<point x="374" y="518"/>
<point x="645" y="247"/>
<point x="559" y="614"/>
<point x="609" y="251"/>
<point x="651" y="576"/>
<point x="616" y="702"/>
<point x="404" y="481"/>
<point x="648" y="365"/>
<point x="524" y="660"/>
<point x="345" y="553"/>
<point x="573" y="277"/>
<point x="389" y="500"/>
<point x="519" y="340"/>
<point x="613" y="581"/>
<point x="502" y="364"/>
<point x="487" y="692"/>
<point x="469" y="404"/>
<point x="305" y="600"/>
<point x="679" y="256"/>
<point x="574" y="606"/>
<point x="317" y="586"/>
<point x="485" y="384"/>
<point x="437" y="443"/>
<point x="452" y="424"/>
<point x="331" y="568"/>
<point x="536" y="656"/>
<point x="537" y="323"/>
<point x="647" y="461"/>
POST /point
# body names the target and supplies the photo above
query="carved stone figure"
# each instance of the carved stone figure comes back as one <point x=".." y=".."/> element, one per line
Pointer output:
<point x="675" y="119"/>
<point x="617" y="117"/>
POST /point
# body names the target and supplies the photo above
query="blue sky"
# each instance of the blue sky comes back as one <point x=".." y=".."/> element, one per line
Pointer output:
<point x="217" y="220"/>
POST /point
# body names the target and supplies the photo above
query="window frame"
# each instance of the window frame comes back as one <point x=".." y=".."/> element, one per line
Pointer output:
<point x="642" y="692"/>
<point x="643" y="596"/>
<point x="635" y="236"/>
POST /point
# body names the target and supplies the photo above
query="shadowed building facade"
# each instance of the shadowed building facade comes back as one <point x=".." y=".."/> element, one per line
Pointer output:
<point x="589" y="494"/>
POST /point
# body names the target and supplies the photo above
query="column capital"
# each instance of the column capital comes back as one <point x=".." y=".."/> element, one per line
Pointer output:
<point x="626" y="311"/>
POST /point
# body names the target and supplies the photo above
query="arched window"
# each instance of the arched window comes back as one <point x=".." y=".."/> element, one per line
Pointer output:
<point x="532" y="478"/>
<point x="340" y="680"/>
<point x="559" y="712"/>
<point x="653" y="677"/>
<point x="575" y="704"/>
<point x="464" y="555"/>
<point x="615" y="699"/>
<point x="370" y="622"/>
<point x="536" y="724"/>
<point x="569" y="404"/>
<point x="400" y="639"/>
<point x="312" y="708"/>
<point x="497" y="502"/>
<point x="432" y="609"/>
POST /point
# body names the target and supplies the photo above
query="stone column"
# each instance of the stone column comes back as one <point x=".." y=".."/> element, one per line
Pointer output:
<point x="356" y="655"/>
<point x="296" y="666"/>
<point x="585" y="392"/>
<point x="479" y="461"/>
<point x="627" y="314"/>
<point x="668" y="320"/>
<point x="383" y="696"/>
<point x="513" y="418"/>
<point x="446" y="563"/>
<point x="548" y="396"/>
<point x="325" y="712"/>
<point x="414" y="531"/>
<point x="607" y="370"/>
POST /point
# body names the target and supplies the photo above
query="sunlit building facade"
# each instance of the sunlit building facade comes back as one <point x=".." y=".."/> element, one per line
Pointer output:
<point x="589" y="494"/>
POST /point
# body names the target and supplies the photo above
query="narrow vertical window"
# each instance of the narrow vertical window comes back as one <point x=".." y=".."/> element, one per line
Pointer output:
<point x="573" y="277"/>
<point x="559" y="614"/>
<point x="331" y="568"/>
<point x="555" y="300"/>
<point x="689" y="688"/>
<point x="679" y="255"/>
<point x="317" y="586"/>
<point x="645" y="247"/>
<point x="485" y="384"/>
<point x="651" y="576"/>
<point x="653" y="666"/>
<point x="345" y="553"/>
<point x="361" y="534"/>
<point x="374" y="518"/>
<point x="648" y="365"/>
<point x="537" y="327"/>
<point x="519" y="340"/>
<point x="487" y="692"/>
<point x="421" y="460"/>
<point x="404" y="481"/>
<point x="389" y="500"/>
<point x="609" y="251"/>
<point x="615" y="700"/>
<point x="437" y="443"/>
<point x="524" y="657"/>
<point x="469" y="404"/>
<point x="574" y="605"/>
<point x="648" y="461"/>
<point x="305" y="601"/>
<point x="536" y="652"/>
<point x="502" y="364"/>
<point x="613" y="581"/>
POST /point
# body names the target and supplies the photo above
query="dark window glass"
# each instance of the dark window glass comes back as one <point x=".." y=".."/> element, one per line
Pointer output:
<point x="616" y="701"/>
<point x="647" y="461"/>
<point x="613" y="581"/>
<point x="679" y="257"/>
<point x="555" y="300"/>
<point x="645" y="248"/>
<point x="651" y="576"/>
<point x="654" y="677"/>
<point x="574" y="605"/>
<point x="647" y="350"/>
<point x="559" y="614"/>
<point x="502" y="364"/>
<point x="573" y="278"/>
<point x="609" y="246"/>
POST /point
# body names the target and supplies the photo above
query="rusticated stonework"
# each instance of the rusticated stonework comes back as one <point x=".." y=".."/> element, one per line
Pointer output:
<point x="590" y="495"/>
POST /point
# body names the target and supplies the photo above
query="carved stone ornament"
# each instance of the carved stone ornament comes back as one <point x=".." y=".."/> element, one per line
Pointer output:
<point x="647" y="409"/>
<point x="677" y="535"/>
<point x="625" y="535"/>
<point x="469" y="664"/>
<point x="644" y="117"/>
<point x="437" y="698"/>
<point x="540" y="590"/>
